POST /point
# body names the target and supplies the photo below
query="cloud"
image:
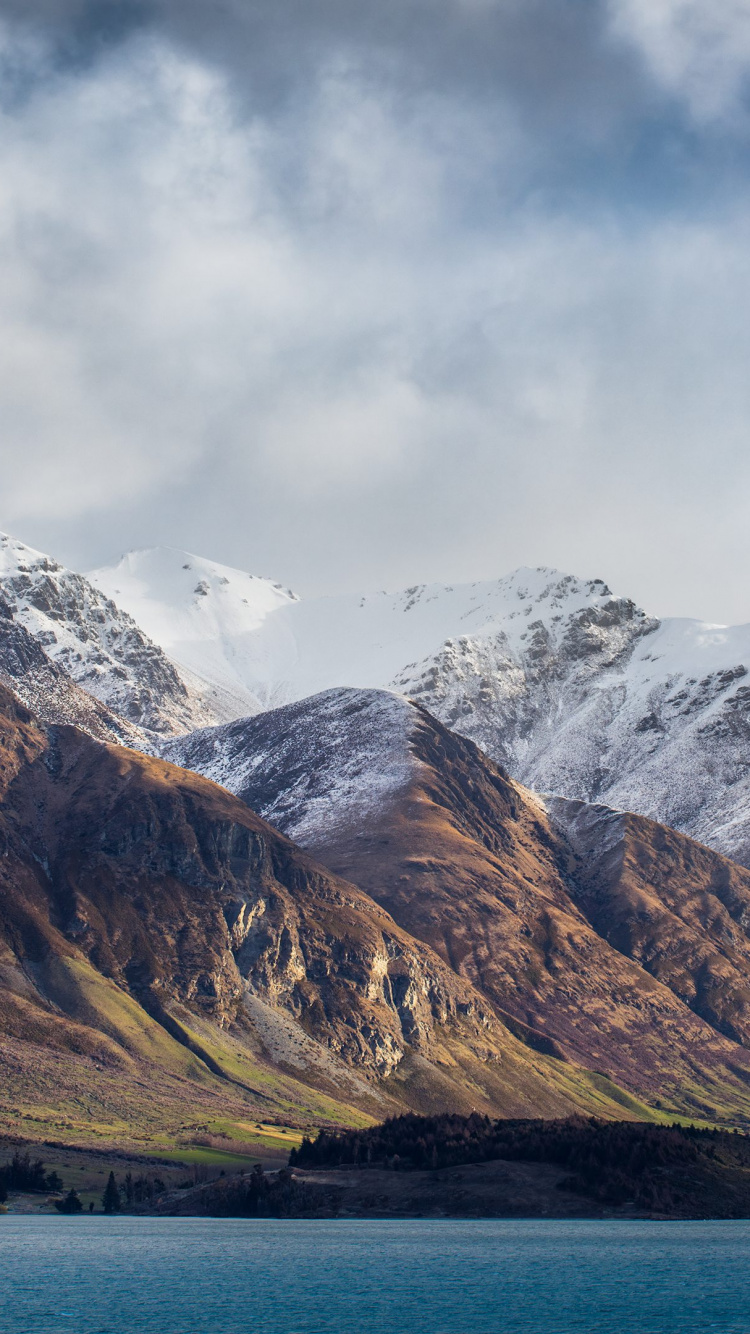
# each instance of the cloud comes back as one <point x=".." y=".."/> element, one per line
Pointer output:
<point x="179" y="283"/>
<point x="700" y="52"/>
<point x="355" y="328"/>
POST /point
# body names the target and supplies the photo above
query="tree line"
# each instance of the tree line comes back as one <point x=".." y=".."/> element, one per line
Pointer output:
<point x="257" y="1195"/>
<point x="22" y="1173"/>
<point x="610" y="1161"/>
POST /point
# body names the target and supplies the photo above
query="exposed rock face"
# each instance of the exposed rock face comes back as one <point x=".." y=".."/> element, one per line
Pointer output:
<point x="178" y="896"/>
<point x="99" y="646"/>
<point x="46" y="689"/>
<point x="597" y="701"/>
<point x="468" y="861"/>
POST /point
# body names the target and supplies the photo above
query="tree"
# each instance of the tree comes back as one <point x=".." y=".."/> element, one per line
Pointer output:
<point x="21" y="1174"/>
<point x="70" y="1203"/>
<point x="111" y="1196"/>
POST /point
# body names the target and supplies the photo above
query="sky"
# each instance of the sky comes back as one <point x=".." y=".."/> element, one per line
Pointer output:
<point x="359" y="296"/>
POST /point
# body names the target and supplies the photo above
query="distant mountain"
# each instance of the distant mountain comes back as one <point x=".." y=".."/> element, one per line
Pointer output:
<point x="215" y="623"/>
<point x="576" y="691"/>
<point x="166" y="953"/>
<point x="594" y="700"/>
<point x="607" y="940"/>
<point x="96" y="644"/>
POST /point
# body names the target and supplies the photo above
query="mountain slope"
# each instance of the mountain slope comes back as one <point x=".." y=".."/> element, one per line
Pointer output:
<point x="46" y="689"/>
<point x="678" y="908"/>
<point x="599" y="702"/>
<point x="97" y="645"/>
<point x="148" y="919"/>
<point x="574" y="690"/>
<point x="468" y="861"/>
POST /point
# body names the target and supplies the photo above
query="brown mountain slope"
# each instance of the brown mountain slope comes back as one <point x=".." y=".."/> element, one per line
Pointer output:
<point x="468" y="861"/>
<point x="150" y="920"/>
<point x="679" y="909"/>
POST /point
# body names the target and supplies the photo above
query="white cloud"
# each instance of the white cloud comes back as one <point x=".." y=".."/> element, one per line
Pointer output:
<point x="364" y="310"/>
<point x="698" y="49"/>
<point x="173" y="279"/>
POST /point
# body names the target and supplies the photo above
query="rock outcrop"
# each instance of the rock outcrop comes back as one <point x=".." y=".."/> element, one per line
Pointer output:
<point x="52" y="696"/>
<point x="97" y="645"/>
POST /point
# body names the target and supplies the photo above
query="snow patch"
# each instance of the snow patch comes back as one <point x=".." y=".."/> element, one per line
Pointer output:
<point x="331" y="760"/>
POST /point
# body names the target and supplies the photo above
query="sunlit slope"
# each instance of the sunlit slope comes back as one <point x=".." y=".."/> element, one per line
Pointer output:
<point x="161" y="941"/>
<point x="470" y="862"/>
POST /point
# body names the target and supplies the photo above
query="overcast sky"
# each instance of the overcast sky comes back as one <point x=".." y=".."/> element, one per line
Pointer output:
<point x="361" y="295"/>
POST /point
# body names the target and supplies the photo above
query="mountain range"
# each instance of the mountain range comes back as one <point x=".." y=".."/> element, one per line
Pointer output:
<point x="460" y="847"/>
<point x="162" y="944"/>
<point x="574" y="690"/>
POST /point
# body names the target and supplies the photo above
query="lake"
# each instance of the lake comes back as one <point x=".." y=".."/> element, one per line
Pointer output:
<point x="195" y="1276"/>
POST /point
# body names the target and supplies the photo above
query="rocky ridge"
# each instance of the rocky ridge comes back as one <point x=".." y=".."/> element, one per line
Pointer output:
<point x="98" y="646"/>
<point x="47" y="690"/>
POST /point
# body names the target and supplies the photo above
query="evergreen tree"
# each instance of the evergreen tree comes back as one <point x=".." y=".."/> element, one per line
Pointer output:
<point x="111" y="1196"/>
<point x="70" y="1203"/>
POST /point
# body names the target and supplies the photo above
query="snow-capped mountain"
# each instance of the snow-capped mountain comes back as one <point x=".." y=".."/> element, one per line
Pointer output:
<point x="215" y="622"/>
<point x="599" y="702"/>
<point x="96" y="644"/>
<point x="575" y="690"/>
<point x="260" y="642"/>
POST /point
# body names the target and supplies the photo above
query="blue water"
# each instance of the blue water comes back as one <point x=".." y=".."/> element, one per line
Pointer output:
<point x="193" y="1276"/>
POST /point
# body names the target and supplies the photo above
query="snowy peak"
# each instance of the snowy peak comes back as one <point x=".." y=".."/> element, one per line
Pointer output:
<point x="98" y="645"/>
<point x="176" y="596"/>
<point x="208" y="617"/>
<point x="17" y="560"/>
<point x="531" y="611"/>
<point x="433" y="613"/>
<point x="516" y="595"/>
